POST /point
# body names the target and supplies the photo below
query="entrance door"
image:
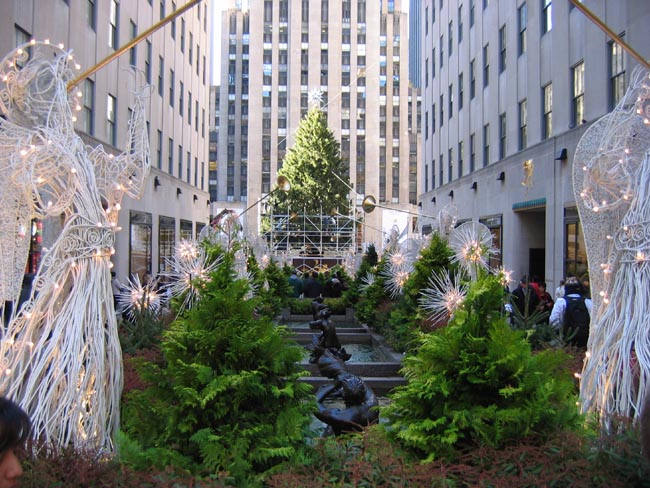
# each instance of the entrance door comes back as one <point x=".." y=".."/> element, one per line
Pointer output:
<point x="537" y="262"/>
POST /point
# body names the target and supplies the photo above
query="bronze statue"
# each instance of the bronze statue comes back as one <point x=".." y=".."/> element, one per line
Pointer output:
<point x="328" y="340"/>
<point x="360" y="401"/>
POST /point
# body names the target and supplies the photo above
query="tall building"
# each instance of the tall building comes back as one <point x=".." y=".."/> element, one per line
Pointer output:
<point x="415" y="38"/>
<point x="509" y="88"/>
<point x="174" y="60"/>
<point x="278" y="56"/>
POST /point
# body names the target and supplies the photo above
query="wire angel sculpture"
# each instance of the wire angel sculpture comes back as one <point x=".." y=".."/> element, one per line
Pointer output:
<point x="472" y="246"/>
<point x="61" y="357"/>
<point x="611" y="183"/>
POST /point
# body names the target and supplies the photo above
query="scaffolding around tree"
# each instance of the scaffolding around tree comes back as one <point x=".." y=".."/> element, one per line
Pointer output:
<point x="312" y="236"/>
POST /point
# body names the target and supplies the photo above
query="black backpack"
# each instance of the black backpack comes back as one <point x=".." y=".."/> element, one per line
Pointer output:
<point x="576" y="321"/>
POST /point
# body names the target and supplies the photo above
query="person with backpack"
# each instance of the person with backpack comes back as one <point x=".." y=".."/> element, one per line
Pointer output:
<point x="572" y="313"/>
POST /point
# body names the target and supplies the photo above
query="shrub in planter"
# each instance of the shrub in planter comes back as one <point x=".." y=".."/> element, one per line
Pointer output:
<point x="476" y="381"/>
<point x="227" y="399"/>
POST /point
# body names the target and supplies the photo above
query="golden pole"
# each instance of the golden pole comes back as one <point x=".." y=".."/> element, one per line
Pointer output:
<point x="130" y="44"/>
<point x="610" y="33"/>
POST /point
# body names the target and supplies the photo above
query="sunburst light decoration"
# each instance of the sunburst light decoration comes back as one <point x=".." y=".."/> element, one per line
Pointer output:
<point x="190" y="271"/>
<point x="504" y="276"/>
<point x="367" y="280"/>
<point x="138" y="297"/>
<point x="443" y="296"/>
<point x="472" y="245"/>
<point x="611" y="185"/>
<point x="395" y="273"/>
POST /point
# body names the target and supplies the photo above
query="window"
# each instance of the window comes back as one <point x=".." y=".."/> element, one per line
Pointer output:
<point x="162" y="9"/>
<point x="159" y="150"/>
<point x="180" y="162"/>
<point x="442" y="51"/>
<point x="616" y="74"/>
<point x="89" y="106"/>
<point x="433" y="118"/>
<point x="111" y="114"/>
<point x="460" y="23"/>
<point x="472" y="78"/>
<point x="486" y="145"/>
<point x="578" y="90"/>
<point x="547" y="124"/>
<point x="574" y="246"/>
<point x="471" y="13"/>
<point x="442" y="110"/>
<point x="472" y="152"/>
<point x="486" y="65"/>
<point x="133" y="58"/>
<point x="523" y="124"/>
<point x="182" y="35"/>
<point x="433" y="63"/>
<point x="166" y="242"/>
<point x="113" y="41"/>
<point x="140" y="243"/>
<point x="450" y="35"/>
<point x="190" y="46"/>
<point x="189" y="107"/>
<point x="451" y="100"/>
<point x="522" y="19"/>
<point x="502" y="136"/>
<point x="91" y="14"/>
<point x="502" y="49"/>
<point x="181" y="98"/>
<point x="161" y="71"/>
<point x="450" y="163"/>
<point x="170" y="156"/>
<point x="173" y="23"/>
<point x="460" y="91"/>
<point x="171" y="87"/>
<point x="147" y="62"/>
<point x="547" y="16"/>
<point x="461" y="156"/>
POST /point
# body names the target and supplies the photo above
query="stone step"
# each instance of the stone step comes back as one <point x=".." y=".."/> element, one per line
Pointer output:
<point x="379" y="369"/>
<point x="344" y="337"/>
<point x="380" y="385"/>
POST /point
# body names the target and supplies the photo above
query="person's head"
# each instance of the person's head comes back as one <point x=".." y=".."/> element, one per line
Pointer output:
<point x="524" y="281"/>
<point x="542" y="286"/>
<point x="15" y="428"/>
<point x="314" y="275"/>
<point x="562" y="282"/>
<point x="113" y="274"/>
<point x="573" y="286"/>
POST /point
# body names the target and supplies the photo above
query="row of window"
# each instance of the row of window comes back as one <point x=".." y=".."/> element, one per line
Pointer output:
<point x="199" y="173"/>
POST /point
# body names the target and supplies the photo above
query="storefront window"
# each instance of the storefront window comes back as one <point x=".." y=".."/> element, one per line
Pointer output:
<point x="166" y="242"/>
<point x="495" y="225"/>
<point x="140" y="243"/>
<point x="575" y="253"/>
<point x="186" y="230"/>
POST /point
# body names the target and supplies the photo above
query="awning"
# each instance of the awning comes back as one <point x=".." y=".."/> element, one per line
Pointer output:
<point x="529" y="204"/>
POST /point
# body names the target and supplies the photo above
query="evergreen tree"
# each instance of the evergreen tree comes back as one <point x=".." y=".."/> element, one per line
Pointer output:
<point x="311" y="165"/>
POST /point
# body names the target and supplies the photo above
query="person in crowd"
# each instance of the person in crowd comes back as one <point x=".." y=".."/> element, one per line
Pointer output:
<point x="15" y="429"/>
<point x="546" y="300"/>
<point x="524" y="298"/>
<point x="333" y="287"/>
<point x="559" y="291"/>
<point x="296" y="284"/>
<point x="311" y="286"/>
<point x="116" y="288"/>
<point x="572" y="313"/>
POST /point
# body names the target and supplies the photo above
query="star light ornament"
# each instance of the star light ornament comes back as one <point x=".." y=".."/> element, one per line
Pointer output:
<point x="395" y="273"/>
<point x="190" y="272"/>
<point x="139" y="297"/>
<point x="315" y="97"/>
<point x="442" y="297"/>
<point x="472" y="246"/>
<point x="611" y="184"/>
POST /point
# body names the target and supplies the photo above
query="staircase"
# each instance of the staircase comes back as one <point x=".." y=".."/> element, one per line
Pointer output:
<point x="381" y="376"/>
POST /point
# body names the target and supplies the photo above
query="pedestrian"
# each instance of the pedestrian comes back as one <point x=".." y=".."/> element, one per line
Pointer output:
<point x="312" y="287"/>
<point x="525" y="298"/>
<point x="546" y="301"/>
<point x="296" y="284"/>
<point x="571" y="314"/>
<point x="116" y="288"/>
<point x="15" y="428"/>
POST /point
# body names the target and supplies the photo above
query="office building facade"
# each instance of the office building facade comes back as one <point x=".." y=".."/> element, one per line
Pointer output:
<point x="278" y="57"/>
<point x="174" y="61"/>
<point x="508" y="89"/>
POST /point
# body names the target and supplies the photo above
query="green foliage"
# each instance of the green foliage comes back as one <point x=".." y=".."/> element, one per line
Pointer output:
<point x="406" y="318"/>
<point x="228" y="398"/>
<point x="311" y="165"/>
<point x="141" y="329"/>
<point x="477" y="381"/>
